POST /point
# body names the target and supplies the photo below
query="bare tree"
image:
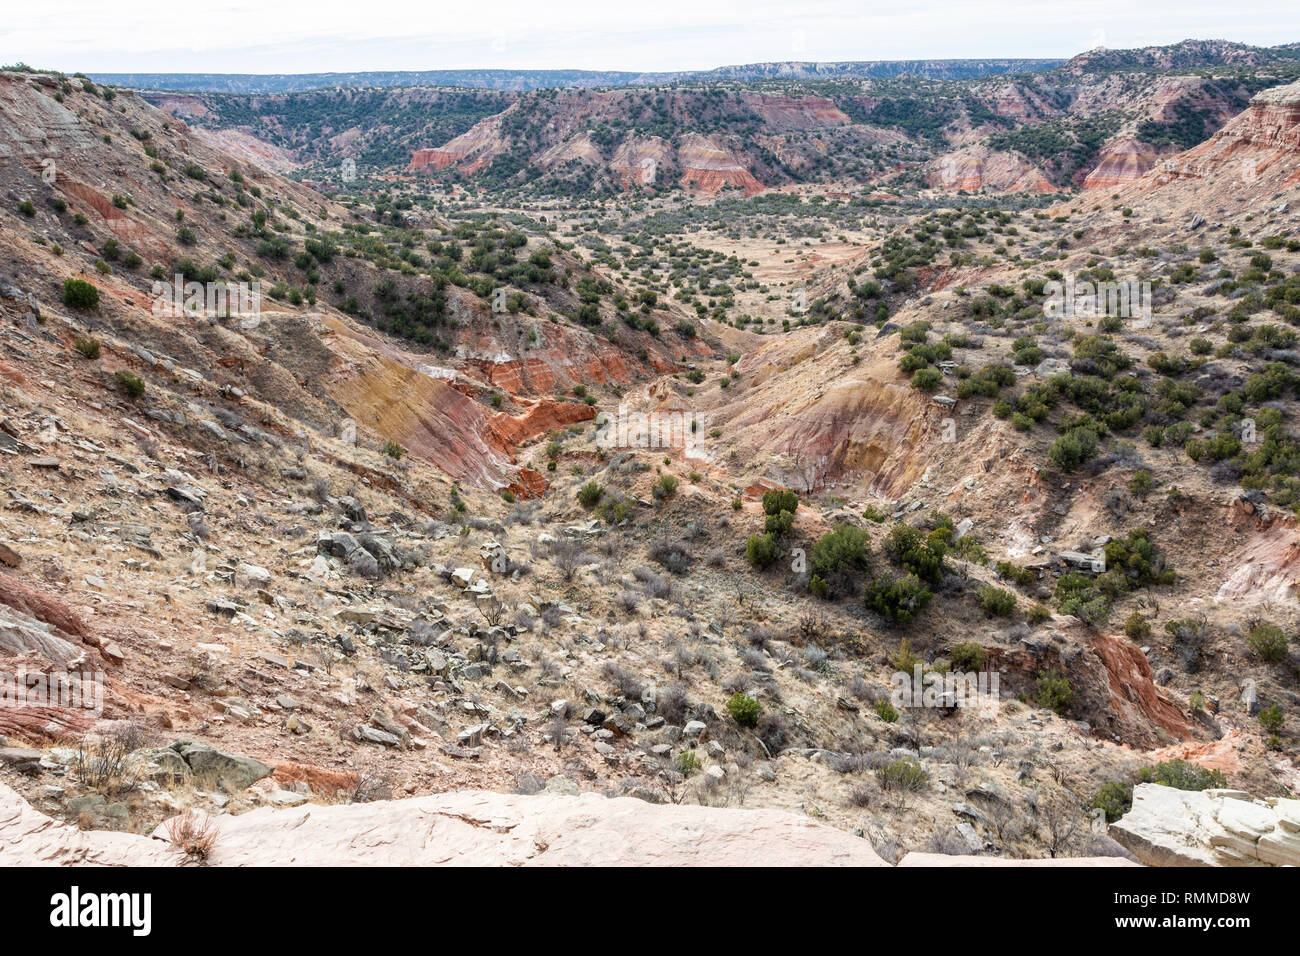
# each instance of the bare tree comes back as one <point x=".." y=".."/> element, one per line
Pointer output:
<point x="1058" y="826"/>
<point x="567" y="556"/>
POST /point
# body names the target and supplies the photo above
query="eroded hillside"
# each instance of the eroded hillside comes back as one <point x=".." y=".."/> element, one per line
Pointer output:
<point x="654" y="501"/>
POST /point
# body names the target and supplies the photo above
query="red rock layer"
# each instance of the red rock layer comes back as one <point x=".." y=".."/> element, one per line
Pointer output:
<point x="1122" y="161"/>
<point x="1134" y="694"/>
<point x="509" y="431"/>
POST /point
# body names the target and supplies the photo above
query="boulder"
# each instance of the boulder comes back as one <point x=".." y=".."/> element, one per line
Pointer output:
<point x="162" y="765"/>
<point x="212" y="767"/>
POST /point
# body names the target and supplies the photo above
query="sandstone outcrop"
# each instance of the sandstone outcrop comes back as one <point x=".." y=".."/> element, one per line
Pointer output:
<point x="1169" y="827"/>
<point x="477" y="828"/>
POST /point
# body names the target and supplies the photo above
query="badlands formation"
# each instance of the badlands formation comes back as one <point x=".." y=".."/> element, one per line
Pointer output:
<point x="361" y="577"/>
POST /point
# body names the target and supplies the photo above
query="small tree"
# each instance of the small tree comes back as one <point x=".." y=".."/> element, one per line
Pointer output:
<point x="1271" y="718"/>
<point x="744" y="710"/>
<point x="590" y="494"/>
<point x="79" y="294"/>
<point x="1053" y="691"/>
<point x="774" y="502"/>
<point x="840" y="555"/>
<point x="1268" y="642"/>
<point x="761" y="551"/>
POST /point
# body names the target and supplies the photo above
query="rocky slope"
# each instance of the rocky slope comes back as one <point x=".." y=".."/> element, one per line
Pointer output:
<point x="472" y="590"/>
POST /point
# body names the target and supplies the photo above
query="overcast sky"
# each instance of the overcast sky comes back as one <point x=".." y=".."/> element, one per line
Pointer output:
<point x="296" y="36"/>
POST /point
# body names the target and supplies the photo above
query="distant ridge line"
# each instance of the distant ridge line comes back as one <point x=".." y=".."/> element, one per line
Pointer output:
<point x="523" y="80"/>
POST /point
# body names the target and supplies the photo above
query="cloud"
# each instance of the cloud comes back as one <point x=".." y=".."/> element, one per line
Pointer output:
<point x="293" y="36"/>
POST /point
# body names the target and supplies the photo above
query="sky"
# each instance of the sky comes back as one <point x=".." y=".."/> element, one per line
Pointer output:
<point x="295" y="36"/>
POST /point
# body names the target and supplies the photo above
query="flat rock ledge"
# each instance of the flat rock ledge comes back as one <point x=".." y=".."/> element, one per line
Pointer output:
<point x="473" y="828"/>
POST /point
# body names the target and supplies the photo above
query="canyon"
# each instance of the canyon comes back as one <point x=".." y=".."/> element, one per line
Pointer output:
<point x="360" y="576"/>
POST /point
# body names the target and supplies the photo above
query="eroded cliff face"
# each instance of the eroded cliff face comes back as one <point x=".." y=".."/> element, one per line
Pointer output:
<point x="708" y="166"/>
<point x="1259" y="149"/>
<point x="978" y="167"/>
<point x="809" y="416"/>
<point x="470" y="152"/>
<point x="703" y="163"/>
<point x="1121" y="161"/>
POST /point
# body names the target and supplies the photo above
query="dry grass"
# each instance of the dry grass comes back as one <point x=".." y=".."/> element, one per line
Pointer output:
<point x="194" y="833"/>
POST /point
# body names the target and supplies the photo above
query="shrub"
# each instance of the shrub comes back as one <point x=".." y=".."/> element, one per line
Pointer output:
<point x="897" y="600"/>
<point x="927" y="379"/>
<point x="1053" y="691"/>
<point x="614" y="511"/>
<point x="761" y="551"/>
<point x="1137" y="628"/>
<point x="968" y="656"/>
<point x="1271" y="718"/>
<point x="1268" y="643"/>
<point x="665" y="487"/>
<point x="996" y="602"/>
<point x="79" y="294"/>
<point x="590" y="494"/>
<point x="1133" y="561"/>
<point x="87" y="346"/>
<point x="886" y="711"/>
<point x="921" y="556"/>
<point x="672" y="554"/>
<point x="904" y="775"/>
<point x="392" y="449"/>
<point x="744" y="710"/>
<point x="131" y="383"/>
<point x="779" y="525"/>
<point x="774" y="731"/>
<point x="1073" y="448"/>
<point x="774" y="502"/>
<point x="194" y="833"/>
<point x="1077" y="595"/>
<point x="1141" y="483"/>
<point x="1182" y="775"/>
<point x="687" y="763"/>
<point x="904" y="660"/>
<point x="840" y="554"/>
<point x="1014" y="573"/>
<point x="27" y="208"/>
<point x="1115" y="798"/>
